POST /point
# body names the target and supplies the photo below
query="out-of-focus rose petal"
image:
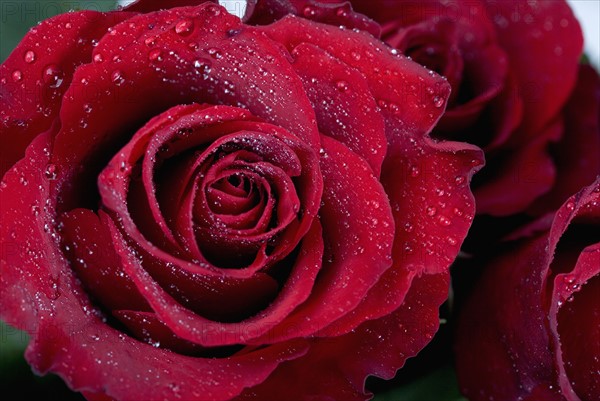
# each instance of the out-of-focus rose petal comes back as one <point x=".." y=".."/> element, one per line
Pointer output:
<point x="523" y="306"/>
<point x="577" y="154"/>
<point x="544" y="42"/>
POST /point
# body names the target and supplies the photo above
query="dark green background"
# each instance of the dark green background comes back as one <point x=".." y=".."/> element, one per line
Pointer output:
<point x="429" y="377"/>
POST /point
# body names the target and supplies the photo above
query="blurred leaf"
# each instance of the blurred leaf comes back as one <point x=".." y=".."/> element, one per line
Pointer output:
<point x="17" y="381"/>
<point x="16" y="17"/>
<point x="12" y="346"/>
<point x="439" y="385"/>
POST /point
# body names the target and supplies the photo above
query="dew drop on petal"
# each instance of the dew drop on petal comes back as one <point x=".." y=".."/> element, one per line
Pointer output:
<point x="341" y="13"/>
<point x="50" y="172"/>
<point x="438" y="101"/>
<point x="29" y="57"/>
<point x="150" y="41"/>
<point x="155" y="55"/>
<point x="17" y="75"/>
<point x="342" y="86"/>
<point x="117" y="77"/>
<point x="309" y="11"/>
<point x="53" y="76"/>
<point x="184" y="27"/>
<point x="98" y="58"/>
<point x="214" y="53"/>
<point x="444" y="221"/>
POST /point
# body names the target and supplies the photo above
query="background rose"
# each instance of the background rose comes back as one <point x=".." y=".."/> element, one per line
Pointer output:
<point x="128" y="296"/>
<point x="536" y="313"/>
<point x="512" y="66"/>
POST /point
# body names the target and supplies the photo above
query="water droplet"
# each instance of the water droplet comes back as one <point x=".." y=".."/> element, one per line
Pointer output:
<point x="53" y="76"/>
<point x="50" y="172"/>
<point x="451" y="240"/>
<point x="193" y="45"/>
<point x="214" y="10"/>
<point x="17" y="76"/>
<point x="341" y="13"/>
<point x="202" y="66"/>
<point x="68" y="25"/>
<point x="570" y="206"/>
<point x="150" y="41"/>
<point x="117" y="77"/>
<point x="29" y="57"/>
<point x="431" y="211"/>
<point x="342" y="86"/>
<point x="214" y="53"/>
<point x="309" y="11"/>
<point x="35" y="209"/>
<point x="438" y="101"/>
<point x="459" y="180"/>
<point x="155" y="55"/>
<point x="444" y="221"/>
<point x="184" y="27"/>
<point x="98" y="58"/>
<point x="408" y="227"/>
<point x="87" y="108"/>
<point x="414" y="171"/>
<point x="355" y="56"/>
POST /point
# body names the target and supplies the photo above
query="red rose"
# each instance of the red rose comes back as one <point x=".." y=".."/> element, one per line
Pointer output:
<point x="535" y="314"/>
<point x="512" y="66"/>
<point x="197" y="208"/>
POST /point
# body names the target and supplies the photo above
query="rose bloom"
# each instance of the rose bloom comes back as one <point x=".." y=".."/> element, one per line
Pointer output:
<point x="535" y="314"/>
<point x="513" y="67"/>
<point x="196" y="208"/>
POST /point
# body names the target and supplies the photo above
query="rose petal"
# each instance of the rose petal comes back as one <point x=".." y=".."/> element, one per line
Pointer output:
<point x="125" y="84"/>
<point x="72" y="340"/>
<point x="413" y="94"/>
<point x="544" y="42"/>
<point x="512" y="314"/>
<point x="38" y="72"/>
<point x="345" y="108"/>
<point x="197" y="329"/>
<point x="576" y="155"/>
<point x="379" y="347"/>
<point x="528" y="170"/>
<point x="355" y="212"/>
<point x="96" y="263"/>
<point x="337" y="13"/>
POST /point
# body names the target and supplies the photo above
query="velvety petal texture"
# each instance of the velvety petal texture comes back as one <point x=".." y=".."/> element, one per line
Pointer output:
<point x="211" y="209"/>
<point x="534" y="314"/>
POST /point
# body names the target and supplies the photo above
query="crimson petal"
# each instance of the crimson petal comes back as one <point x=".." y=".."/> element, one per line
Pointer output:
<point x="38" y="72"/>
